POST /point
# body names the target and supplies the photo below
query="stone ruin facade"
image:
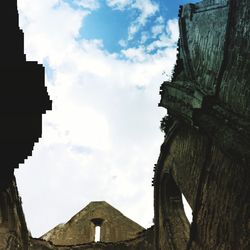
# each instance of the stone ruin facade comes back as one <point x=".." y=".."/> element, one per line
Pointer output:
<point x="80" y="229"/>
<point x="116" y="231"/>
<point x="206" y="151"/>
<point x="205" y="154"/>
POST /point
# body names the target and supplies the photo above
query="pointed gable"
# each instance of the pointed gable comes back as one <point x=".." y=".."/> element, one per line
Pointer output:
<point x="82" y="227"/>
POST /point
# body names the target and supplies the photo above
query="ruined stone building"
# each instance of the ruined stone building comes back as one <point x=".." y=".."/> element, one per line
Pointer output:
<point x="205" y="154"/>
<point x="116" y="231"/>
<point x="80" y="229"/>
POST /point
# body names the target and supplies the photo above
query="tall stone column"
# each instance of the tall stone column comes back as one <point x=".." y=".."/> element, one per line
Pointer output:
<point x="206" y="153"/>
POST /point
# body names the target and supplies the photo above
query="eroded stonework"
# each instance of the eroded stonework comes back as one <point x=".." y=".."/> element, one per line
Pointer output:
<point x="206" y="153"/>
<point x="13" y="229"/>
<point x="143" y="241"/>
<point x="80" y="229"/>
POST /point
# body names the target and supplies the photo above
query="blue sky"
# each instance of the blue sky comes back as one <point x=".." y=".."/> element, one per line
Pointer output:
<point x="105" y="62"/>
<point x="111" y="23"/>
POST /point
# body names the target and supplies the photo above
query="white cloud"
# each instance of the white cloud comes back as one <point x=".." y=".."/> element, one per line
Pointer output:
<point x="102" y="137"/>
<point x="123" y="43"/>
<point x="166" y="39"/>
<point x="157" y="30"/>
<point x="146" y="9"/>
<point x="159" y="20"/>
<point x="88" y="4"/>
<point x="135" y="54"/>
<point x="172" y="29"/>
<point x="132" y="30"/>
<point x="119" y="4"/>
<point x="144" y="37"/>
<point x="159" y="26"/>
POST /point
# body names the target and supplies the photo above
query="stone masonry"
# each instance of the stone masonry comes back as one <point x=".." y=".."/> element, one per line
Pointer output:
<point x="205" y="155"/>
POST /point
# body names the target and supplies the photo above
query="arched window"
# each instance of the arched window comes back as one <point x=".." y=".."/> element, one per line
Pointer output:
<point x="98" y="224"/>
<point x="97" y="233"/>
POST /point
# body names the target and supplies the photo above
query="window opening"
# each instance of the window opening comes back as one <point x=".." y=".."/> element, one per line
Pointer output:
<point x="97" y="233"/>
<point x="97" y="223"/>
<point x="187" y="209"/>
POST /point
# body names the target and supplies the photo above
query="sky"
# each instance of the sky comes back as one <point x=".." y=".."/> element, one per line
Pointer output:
<point x="105" y="61"/>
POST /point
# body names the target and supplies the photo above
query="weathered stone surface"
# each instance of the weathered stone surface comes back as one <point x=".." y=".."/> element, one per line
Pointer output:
<point x="81" y="227"/>
<point x="13" y="229"/>
<point x="143" y="241"/>
<point x="234" y="90"/>
<point x="39" y="244"/>
<point x="210" y="85"/>
<point x="216" y="187"/>
<point x="206" y="153"/>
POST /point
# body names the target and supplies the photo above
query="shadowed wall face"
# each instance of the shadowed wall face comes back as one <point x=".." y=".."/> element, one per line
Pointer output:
<point x="206" y="152"/>
<point x="13" y="229"/>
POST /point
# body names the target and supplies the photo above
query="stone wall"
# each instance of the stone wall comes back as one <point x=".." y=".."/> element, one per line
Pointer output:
<point x="216" y="187"/>
<point x="80" y="229"/>
<point x="144" y="241"/>
<point x="206" y="153"/>
<point x="13" y="229"/>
